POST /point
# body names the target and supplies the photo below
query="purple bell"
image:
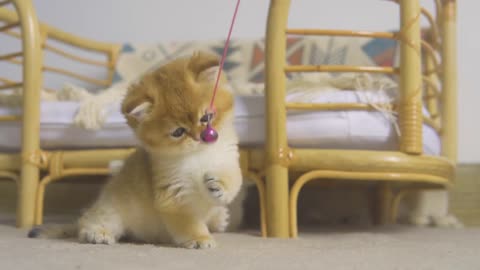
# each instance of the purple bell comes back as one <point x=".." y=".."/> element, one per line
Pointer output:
<point x="209" y="135"/>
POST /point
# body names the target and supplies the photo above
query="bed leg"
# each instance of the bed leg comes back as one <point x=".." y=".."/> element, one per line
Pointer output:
<point x="277" y="201"/>
<point x="32" y="81"/>
<point x="27" y="191"/>
<point x="383" y="204"/>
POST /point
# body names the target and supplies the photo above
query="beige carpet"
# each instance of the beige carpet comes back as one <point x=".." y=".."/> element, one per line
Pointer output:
<point x="379" y="248"/>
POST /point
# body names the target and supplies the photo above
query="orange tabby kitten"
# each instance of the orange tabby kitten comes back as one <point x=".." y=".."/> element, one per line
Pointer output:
<point x="174" y="188"/>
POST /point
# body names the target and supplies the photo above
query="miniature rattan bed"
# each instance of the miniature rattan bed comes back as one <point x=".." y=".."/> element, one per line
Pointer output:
<point x="426" y="76"/>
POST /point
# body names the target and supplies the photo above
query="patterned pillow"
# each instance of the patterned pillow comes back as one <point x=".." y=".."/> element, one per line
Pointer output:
<point x="245" y="58"/>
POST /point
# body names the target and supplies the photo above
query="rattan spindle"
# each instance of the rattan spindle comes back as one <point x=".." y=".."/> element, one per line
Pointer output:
<point x="339" y="68"/>
<point x="5" y="80"/>
<point x="9" y="26"/>
<point x="75" y="57"/>
<point x="328" y="32"/>
<point x="10" y="86"/>
<point x="449" y="79"/>
<point x="32" y="80"/>
<point x="432" y="90"/>
<point x="10" y="55"/>
<point x="410" y="86"/>
<point x="276" y="137"/>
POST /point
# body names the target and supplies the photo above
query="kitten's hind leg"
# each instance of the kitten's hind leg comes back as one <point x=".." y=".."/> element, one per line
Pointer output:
<point x="100" y="224"/>
<point x="54" y="231"/>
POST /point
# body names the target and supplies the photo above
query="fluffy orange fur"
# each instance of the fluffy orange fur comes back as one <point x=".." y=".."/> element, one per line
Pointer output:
<point x="174" y="188"/>
<point x="180" y="93"/>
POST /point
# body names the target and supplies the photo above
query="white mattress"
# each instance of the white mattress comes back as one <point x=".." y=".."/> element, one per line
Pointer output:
<point x="336" y="129"/>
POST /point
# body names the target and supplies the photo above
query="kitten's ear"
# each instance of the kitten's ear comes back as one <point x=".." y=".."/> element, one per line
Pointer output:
<point x="209" y="74"/>
<point x="204" y="66"/>
<point x="135" y="105"/>
<point x="140" y="111"/>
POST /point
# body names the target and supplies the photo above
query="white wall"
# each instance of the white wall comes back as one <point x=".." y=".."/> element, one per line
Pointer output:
<point x="154" y="20"/>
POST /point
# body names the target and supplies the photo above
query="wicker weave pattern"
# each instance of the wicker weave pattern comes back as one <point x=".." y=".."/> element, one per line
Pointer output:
<point x="413" y="73"/>
<point x="427" y="72"/>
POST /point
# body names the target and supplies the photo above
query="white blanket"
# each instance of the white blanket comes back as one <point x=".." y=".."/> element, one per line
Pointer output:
<point x="92" y="112"/>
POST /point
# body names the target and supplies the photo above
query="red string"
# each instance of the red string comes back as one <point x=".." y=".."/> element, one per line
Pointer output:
<point x="225" y="49"/>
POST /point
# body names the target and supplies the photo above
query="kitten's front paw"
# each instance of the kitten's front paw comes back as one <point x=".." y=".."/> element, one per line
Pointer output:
<point x="215" y="187"/>
<point x="96" y="236"/>
<point x="202" y="243"/>
<point x="219" y="220"/>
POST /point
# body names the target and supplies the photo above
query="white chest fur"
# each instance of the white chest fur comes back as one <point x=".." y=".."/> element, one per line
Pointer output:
<point x="185" y="175"/>
<point x="211" y="159"/>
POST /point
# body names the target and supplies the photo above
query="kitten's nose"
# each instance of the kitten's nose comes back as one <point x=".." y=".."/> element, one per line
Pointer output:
<point x="195" y="136"/>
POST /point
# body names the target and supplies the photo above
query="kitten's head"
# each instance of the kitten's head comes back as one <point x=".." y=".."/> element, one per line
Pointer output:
<point x="166" y="106"/>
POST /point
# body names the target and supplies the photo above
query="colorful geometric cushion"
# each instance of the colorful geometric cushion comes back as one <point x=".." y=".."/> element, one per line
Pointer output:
<point x="246" y="58"/>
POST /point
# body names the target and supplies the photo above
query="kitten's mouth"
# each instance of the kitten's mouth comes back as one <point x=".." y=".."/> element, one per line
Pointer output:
<point x="195" y="137"/>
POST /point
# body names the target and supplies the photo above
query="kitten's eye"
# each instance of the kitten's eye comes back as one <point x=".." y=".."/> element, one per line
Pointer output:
<point x="206" y="117"/>
<point x="178" y="132"/>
